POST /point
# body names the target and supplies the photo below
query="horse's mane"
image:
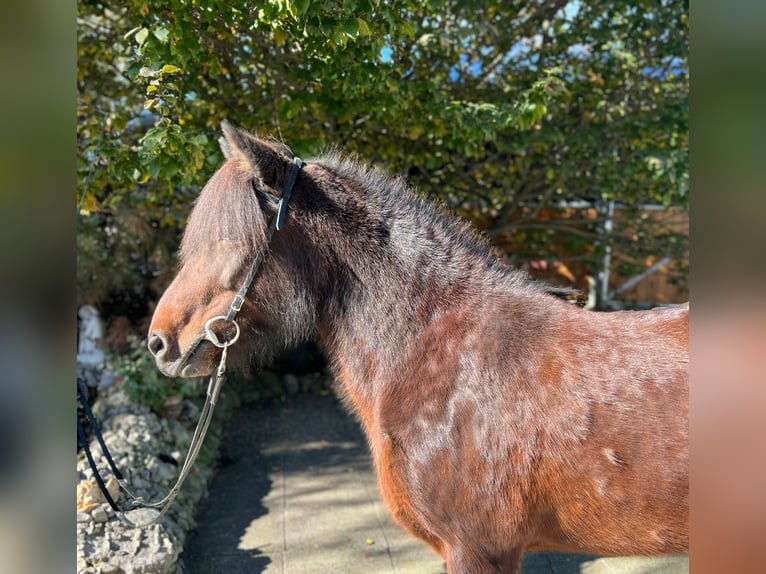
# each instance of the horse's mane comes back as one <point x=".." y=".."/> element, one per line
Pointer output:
<point x="228" y="211"/>
<point x="393" y="194"/>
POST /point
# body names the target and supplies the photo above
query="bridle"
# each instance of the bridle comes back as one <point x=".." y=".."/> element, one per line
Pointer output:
<point x="214" y="386"/>
<point x="275" y="225"/>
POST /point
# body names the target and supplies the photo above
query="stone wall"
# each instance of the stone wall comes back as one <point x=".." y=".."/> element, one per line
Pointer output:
<point x="149" y="450"/>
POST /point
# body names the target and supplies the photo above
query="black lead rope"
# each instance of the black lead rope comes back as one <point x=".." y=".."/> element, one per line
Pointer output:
<point x="215" y="381"/>
<point x="82" y="396"/>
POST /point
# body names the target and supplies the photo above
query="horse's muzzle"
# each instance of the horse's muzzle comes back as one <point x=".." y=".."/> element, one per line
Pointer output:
<point x="197" y="361"/>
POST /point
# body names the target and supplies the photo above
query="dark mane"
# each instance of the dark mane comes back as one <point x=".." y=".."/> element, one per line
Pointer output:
<point x="229" y="209"/>
<point x="435" y="229"/>
<point x="226" y="210"/>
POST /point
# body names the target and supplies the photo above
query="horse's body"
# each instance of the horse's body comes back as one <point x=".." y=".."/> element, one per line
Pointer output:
<point x="500" y="418"/>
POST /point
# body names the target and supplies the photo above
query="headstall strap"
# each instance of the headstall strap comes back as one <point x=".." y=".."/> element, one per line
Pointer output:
<point x="276" y="224"/>
<point x="213" y="390"/>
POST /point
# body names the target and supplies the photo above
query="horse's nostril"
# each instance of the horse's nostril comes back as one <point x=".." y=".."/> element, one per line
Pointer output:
<point x="156" y="344"/>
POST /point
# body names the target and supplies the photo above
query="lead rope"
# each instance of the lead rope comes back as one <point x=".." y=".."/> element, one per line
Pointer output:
<point x="213" y="389"/>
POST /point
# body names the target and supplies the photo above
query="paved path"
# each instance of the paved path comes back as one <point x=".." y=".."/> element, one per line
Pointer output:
<point x="296" y="494"/>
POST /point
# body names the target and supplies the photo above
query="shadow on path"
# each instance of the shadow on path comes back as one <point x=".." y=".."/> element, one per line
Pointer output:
<point x="234" y="501"/>
<point x="307" y="438"/>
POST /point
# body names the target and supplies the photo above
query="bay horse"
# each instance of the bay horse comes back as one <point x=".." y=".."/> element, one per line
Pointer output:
<point x="500" y="417"/>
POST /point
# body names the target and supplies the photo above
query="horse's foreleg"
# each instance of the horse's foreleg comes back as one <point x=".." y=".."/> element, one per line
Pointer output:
<point x="463" y="560"/>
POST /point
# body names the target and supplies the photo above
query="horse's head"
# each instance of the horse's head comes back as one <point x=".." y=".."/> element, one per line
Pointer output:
<point x="225" y="233"/>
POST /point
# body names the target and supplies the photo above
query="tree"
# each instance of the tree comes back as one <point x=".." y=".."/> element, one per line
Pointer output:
<point x="500" y="109"/>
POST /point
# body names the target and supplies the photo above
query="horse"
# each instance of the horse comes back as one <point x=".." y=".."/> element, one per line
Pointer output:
<point x="500" y="418"/>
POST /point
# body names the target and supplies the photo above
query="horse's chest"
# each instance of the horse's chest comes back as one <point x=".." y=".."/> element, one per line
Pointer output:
<point x="394" y="471"/>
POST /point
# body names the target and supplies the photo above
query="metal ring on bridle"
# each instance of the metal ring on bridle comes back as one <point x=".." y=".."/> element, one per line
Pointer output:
<point x="213" y="338"/>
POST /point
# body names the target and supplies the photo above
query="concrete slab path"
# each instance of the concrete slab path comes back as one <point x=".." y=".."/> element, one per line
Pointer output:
<point x="296" y="494"/>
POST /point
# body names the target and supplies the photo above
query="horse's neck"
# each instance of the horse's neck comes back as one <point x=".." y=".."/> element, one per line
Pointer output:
<point x="385" y="295"/>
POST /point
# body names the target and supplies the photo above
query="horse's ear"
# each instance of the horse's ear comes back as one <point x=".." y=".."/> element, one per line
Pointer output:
<point x="264" y="160"/>
<point x="233" y="141"/>
<point x="225" y="147"/>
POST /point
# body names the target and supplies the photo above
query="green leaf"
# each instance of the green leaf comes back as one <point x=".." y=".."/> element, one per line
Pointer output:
<point x="301" y="6"/>
<point x="407" y="30"/>
<point x="161" y="34"/>
<point x="168" y="69"/>
<point x="363" y="27"/>
<point x="350" y="28"/>
<point x="132" y="31"/>
<point x="141" y="36"/>
<point x="199" y="140"/>
<point x="280" y="37"/>
<point x="145" y="72"/>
